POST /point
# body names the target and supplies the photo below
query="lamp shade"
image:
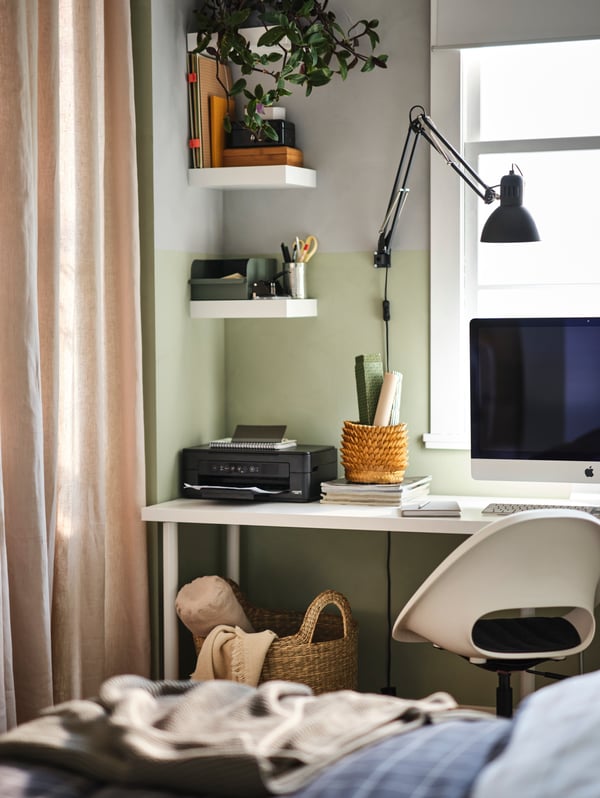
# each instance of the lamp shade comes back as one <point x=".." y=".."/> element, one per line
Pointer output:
<point x="511" y="222"/>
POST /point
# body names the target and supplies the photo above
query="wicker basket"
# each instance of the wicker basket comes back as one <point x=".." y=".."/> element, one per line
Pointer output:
<point x="314" y="648"/>
<point x="374" y="454"/>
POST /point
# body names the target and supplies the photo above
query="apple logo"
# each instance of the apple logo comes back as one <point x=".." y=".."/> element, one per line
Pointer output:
<point x="589" y="471"/>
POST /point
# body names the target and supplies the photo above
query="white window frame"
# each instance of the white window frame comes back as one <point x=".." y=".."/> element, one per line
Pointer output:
<point x="454" y="254"/>
<point x="456" y="24"/>
<point x="448" y="417"/>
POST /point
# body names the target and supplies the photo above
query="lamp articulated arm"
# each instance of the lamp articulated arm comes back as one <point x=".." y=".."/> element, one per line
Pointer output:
<point x="421" y="125"/>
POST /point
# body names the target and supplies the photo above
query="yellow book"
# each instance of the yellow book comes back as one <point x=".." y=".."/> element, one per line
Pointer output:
<point x="218" y="112"/>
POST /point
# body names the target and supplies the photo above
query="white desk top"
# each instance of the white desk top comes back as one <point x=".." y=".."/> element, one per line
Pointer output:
<point x="314" y="515"/>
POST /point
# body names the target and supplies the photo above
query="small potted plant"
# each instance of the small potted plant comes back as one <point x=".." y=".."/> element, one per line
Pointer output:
<point x="302" y="45"/>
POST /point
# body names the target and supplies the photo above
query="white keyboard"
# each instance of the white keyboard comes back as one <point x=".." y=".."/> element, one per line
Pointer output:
<point x="502" y="508"/>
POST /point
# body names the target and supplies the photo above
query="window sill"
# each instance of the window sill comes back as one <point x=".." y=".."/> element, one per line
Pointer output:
<point x="438" y="440"/>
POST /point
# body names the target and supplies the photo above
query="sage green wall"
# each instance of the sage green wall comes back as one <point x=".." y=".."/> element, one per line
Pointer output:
<point x="190" y="362"/>
<point x="184" y="364"/>
<point x="301" y="372"/>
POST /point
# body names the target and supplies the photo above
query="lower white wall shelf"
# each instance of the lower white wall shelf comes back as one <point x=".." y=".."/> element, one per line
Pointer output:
<point x="253" y="308"/>
<point x="236" y="177"/>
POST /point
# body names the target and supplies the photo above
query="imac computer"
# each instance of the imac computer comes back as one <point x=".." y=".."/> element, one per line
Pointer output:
<point x="535" y="400"/>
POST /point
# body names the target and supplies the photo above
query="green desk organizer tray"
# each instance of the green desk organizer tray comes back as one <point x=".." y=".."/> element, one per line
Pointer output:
<point x="210" y="278"/>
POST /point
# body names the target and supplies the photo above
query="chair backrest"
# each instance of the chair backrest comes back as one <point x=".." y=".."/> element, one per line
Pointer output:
<point x="536" y="559"/>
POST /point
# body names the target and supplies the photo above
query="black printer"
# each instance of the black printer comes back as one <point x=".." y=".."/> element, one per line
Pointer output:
<point x="282" y="475"/>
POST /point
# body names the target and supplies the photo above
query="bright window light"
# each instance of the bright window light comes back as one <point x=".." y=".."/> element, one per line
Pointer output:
<point x="540" y="91"/>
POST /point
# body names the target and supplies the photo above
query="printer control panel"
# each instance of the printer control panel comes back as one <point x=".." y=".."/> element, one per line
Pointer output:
<point x="254" y="468"/>
<point x="235" y="468"/>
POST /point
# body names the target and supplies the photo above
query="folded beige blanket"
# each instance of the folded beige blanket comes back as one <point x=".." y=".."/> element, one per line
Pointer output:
<point x="231" y="653"/>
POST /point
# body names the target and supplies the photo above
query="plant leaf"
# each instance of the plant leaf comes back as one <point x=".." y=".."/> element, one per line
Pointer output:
<point x="306" y="9"/>
<point x="343" y="65"/>
<point x="368" y="66"/>
<point x="269" y="132"/>
<point x="236" y="19"/>
<point x="238" y="86"/>
<point x="319" y="77"/>
<point x="271" y="37"/>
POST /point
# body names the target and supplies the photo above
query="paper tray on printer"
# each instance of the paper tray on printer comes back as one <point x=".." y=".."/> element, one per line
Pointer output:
<point x="286" y="475"/>
<point x="229" y="491"/>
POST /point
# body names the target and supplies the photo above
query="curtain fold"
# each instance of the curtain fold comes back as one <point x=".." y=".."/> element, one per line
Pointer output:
<point x="74" y="599"/>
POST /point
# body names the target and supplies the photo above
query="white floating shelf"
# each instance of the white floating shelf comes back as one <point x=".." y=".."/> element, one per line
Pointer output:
<point x="236" y="177"/>
<point x="253" y="308"/>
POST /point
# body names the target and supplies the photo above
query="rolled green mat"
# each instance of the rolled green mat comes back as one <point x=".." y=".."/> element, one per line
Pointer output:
<point x="368" y="370"/>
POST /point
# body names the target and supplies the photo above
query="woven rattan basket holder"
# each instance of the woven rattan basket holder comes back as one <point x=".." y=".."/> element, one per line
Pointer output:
<point x="372" y="454"/>
<point x="315" y="648"/>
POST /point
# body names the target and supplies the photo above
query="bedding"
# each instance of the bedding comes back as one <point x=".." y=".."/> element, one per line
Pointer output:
<point x="434" y="761"/>
<point x="375" y="747"/>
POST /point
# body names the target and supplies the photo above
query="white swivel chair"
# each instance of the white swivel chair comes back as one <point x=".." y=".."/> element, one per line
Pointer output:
<point x="547" y="561"/>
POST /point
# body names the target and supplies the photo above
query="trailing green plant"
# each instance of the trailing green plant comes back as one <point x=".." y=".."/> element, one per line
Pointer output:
<point x="306" y="47"/>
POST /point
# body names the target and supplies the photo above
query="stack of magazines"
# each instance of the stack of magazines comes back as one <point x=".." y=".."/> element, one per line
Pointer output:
<point x="340" y="491"/>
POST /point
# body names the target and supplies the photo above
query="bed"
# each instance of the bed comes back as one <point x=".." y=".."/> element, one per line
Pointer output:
<point x="181" y="739"/>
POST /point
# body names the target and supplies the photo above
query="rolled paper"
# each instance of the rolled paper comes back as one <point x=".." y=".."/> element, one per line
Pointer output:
<point x="395" y="415"/>
<point x="386" y="400"/>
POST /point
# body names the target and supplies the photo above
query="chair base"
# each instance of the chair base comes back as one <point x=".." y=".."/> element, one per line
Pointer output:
<point x="504" y="696"/>
<point x="504" y="670"/>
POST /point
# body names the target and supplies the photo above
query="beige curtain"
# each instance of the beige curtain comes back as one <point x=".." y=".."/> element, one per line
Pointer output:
<point x="73" y="576"/>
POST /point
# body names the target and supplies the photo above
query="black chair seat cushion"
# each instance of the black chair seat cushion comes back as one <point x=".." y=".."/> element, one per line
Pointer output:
<point x="524" y="635"/>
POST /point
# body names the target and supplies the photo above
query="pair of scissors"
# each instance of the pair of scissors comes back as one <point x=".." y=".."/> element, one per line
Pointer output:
<point x="307" y="248"/>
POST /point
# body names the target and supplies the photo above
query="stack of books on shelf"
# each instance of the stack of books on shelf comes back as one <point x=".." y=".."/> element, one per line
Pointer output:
<point x="340" y="491"/>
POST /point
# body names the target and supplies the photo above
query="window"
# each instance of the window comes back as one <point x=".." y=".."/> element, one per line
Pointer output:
<point x="533" y="106"/>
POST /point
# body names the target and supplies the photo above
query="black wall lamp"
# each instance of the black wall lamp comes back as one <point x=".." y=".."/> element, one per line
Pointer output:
<point x="510" y="222"/>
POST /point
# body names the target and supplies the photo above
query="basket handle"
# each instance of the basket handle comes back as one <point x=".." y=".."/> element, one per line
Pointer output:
<point x="316" y="607"/>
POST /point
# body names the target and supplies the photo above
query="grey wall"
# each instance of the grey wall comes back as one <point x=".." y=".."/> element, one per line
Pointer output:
<point x="352" y="133"/>
<point x="185" y="221"/>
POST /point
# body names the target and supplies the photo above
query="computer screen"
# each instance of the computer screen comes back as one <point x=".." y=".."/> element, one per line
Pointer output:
<point x="535" y="399"/>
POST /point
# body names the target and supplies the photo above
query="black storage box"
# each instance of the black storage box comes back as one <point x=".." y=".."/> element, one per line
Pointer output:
<point x="240" y="136"/>
<point x="210" y="278"/>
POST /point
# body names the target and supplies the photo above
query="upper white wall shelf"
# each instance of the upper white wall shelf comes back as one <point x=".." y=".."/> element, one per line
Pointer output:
<point x="236" y="177"/>
<point x="253" y="308"/>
